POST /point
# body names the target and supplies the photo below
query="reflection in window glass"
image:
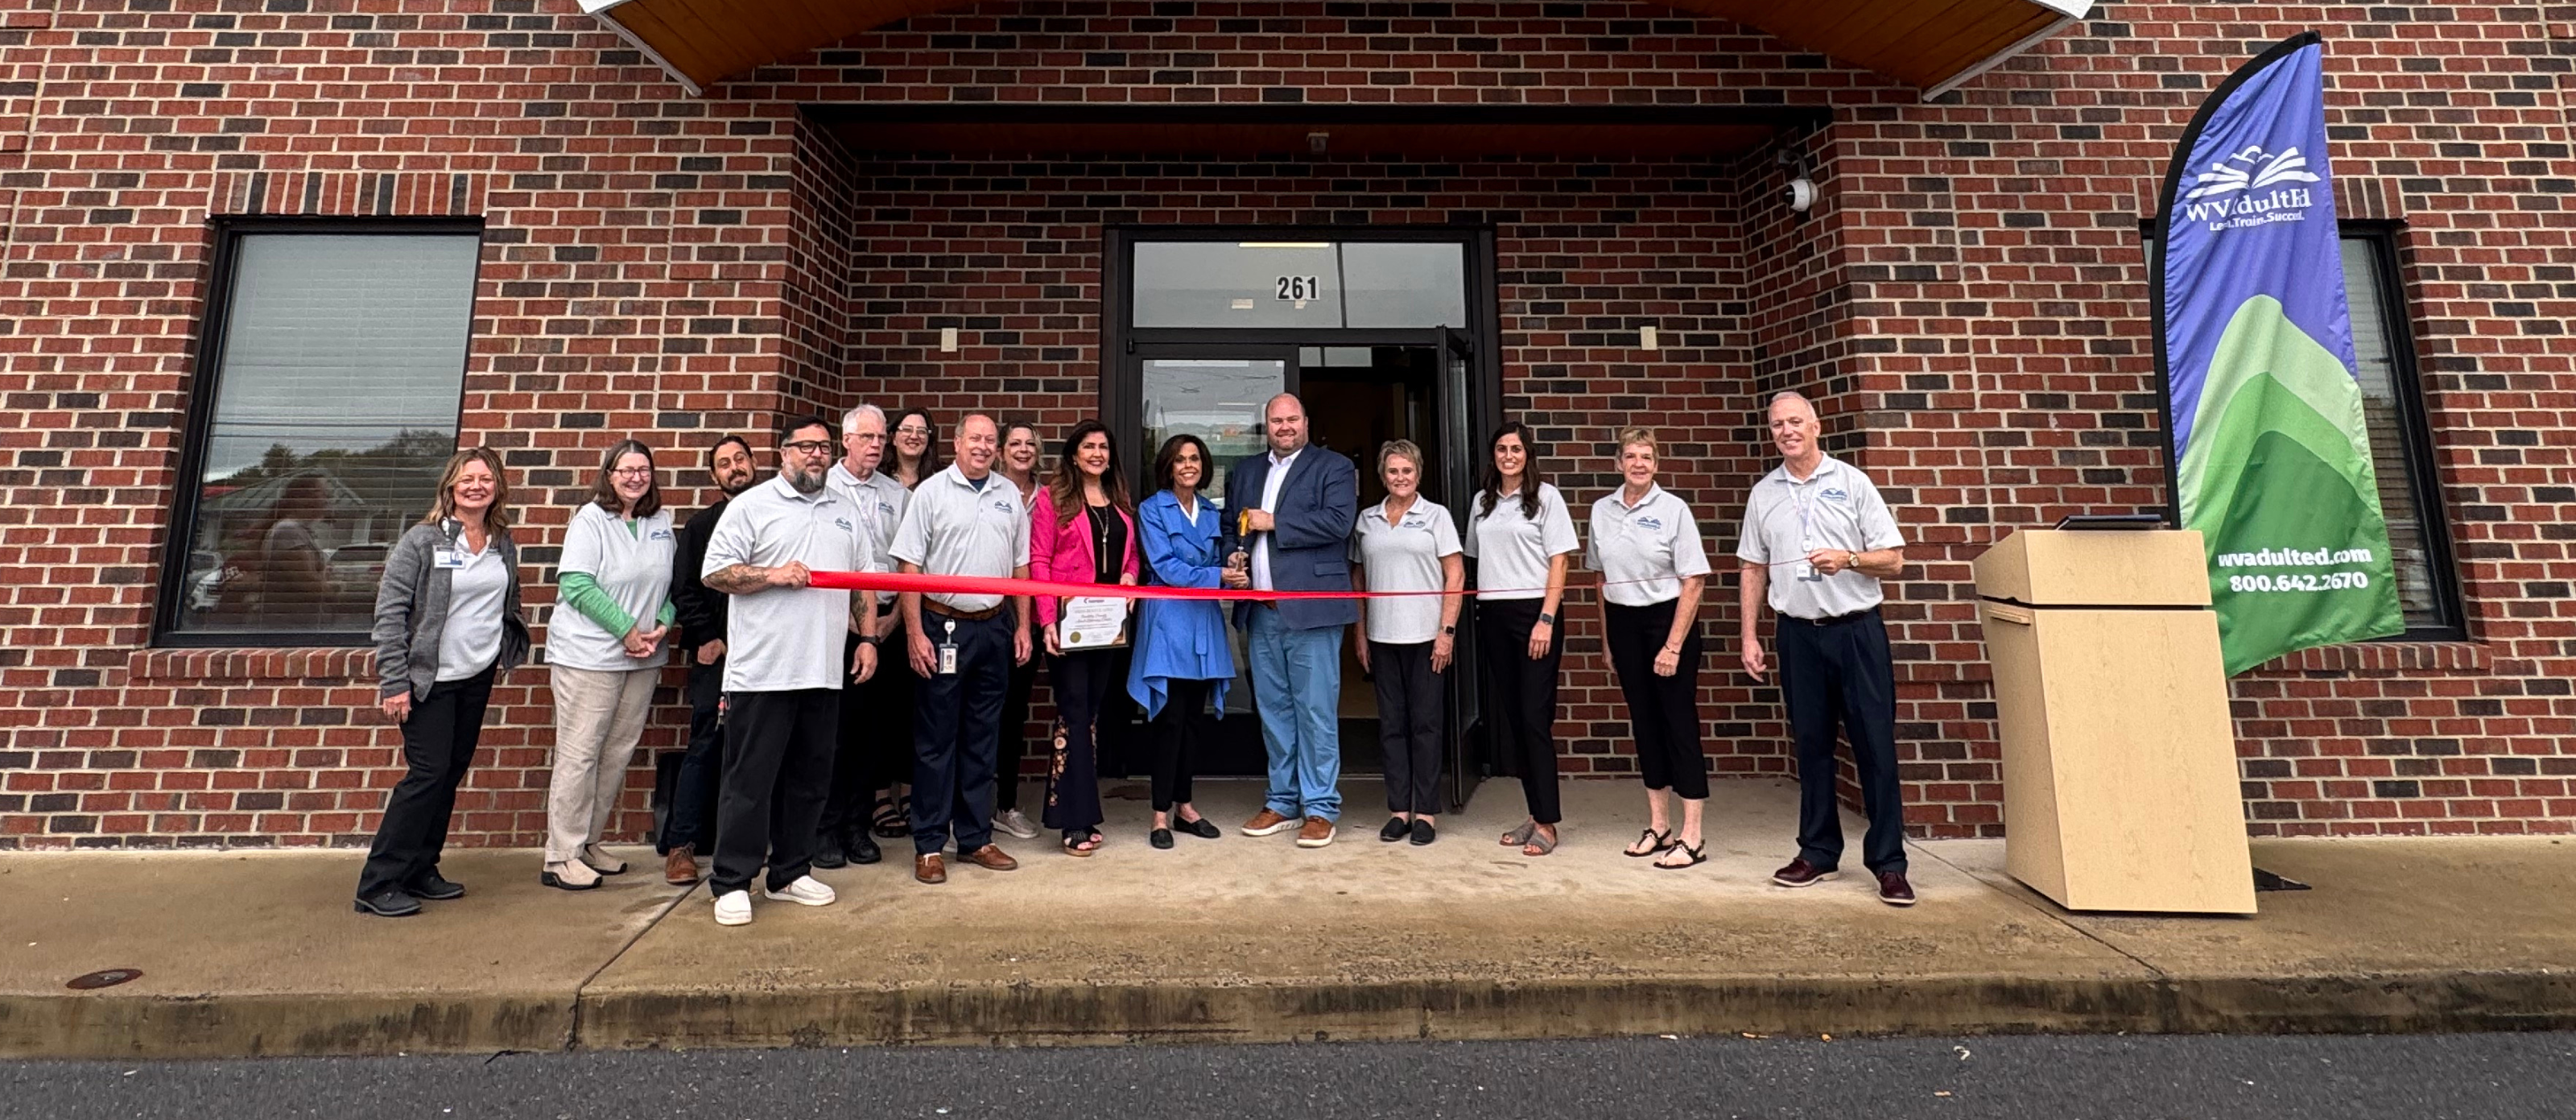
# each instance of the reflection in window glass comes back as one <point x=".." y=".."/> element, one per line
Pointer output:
<point x="335" y="403"/>
<point x="1217" y="400"/>
<point x="2388" y="430"/>
<point x="1237" y="284"/>
<point x="1405" y="284"/>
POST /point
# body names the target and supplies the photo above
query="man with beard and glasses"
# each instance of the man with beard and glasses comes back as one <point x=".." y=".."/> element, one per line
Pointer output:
<point x="872" y="754"/>
<point x="702" y="623"/>
<point x="783" y="670"/>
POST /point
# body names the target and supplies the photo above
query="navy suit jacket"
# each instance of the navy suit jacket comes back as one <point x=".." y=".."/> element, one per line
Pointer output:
<point x="1310" y="550"/>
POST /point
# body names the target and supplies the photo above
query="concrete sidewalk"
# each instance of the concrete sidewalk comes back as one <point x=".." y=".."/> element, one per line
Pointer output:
<point x="1255" y="940"/>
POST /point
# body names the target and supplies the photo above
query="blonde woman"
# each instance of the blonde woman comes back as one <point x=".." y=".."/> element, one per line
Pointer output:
<point x="447" y="625"/>
<point x="1646" y="545"/>
<point x="606" y="649"/>
<point x="1408" y="543"/>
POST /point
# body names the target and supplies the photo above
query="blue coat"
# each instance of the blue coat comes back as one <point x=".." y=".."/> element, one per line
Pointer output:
<point x="1310" y="550"/>
<point x="1179" y="639"/>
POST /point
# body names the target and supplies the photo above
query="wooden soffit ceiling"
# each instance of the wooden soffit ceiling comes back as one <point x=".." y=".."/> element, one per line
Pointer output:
<point x="1931" y="45"/>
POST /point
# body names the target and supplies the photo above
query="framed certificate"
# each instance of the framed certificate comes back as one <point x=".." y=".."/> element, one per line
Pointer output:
<point x="1092" y="622"/>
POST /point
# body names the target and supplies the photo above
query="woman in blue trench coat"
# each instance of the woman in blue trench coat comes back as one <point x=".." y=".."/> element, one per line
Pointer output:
<point x="1181" y="659"/>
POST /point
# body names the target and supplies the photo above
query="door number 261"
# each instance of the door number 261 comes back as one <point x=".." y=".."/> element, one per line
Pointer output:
<point x="1300" y="288"/>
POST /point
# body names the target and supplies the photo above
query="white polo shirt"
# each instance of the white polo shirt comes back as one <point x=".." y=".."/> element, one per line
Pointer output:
<point x="1644" y="551"/>
<point x="1512" y="551"/>
<point x="476" y="595"/>
<point x="1836" y="507"/>
<point x="780" y="639"/>
<point x="955" y="528"/>
<point x="633" y="566"/>
<point x="880" y="501"/>
<point x="1403" y="554"/>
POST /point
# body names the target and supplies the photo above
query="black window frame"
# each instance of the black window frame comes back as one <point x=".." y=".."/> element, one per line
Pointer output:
<point x="205" y="387"/>
<point x="2415" y="427"/>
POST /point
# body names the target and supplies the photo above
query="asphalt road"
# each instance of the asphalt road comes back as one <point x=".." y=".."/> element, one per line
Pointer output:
<point x="2485" y="1077"/>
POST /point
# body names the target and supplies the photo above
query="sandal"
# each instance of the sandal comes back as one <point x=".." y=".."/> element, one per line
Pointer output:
<point x="1657" y="843"/>
<point x="1692" y="857"/>
<point x="1542" y="841"/>
<point x="1520" y="837"/>
<point x="893" y="818"/>
<point x="1081" y="843"/>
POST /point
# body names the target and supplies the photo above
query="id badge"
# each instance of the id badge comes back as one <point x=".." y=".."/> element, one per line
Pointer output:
<point x="1807" y="573"/>
<point x="948" y="651"/>
<point x="448" y="558"/>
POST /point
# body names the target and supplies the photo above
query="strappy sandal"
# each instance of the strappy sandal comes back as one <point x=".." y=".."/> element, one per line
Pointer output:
<point x="893" y="818"/>
<point x="1693" y="856"/>
<point x="1520" y="837"/>
<point x="1542" y="841"/>
<point x="1658" y="843"/>
<point x="1081" y="843"/>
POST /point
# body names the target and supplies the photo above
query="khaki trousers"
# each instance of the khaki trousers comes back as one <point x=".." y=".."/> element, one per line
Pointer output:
<point x="599" y="716"/>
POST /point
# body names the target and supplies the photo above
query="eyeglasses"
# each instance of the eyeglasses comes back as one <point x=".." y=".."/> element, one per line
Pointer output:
<point x="808" y="447"/>
<point x="633" y="472"/>
<point x="912" y="430"/>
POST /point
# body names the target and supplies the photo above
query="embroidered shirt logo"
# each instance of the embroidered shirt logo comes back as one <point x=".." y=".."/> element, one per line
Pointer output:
<point x="1834" y="494"/>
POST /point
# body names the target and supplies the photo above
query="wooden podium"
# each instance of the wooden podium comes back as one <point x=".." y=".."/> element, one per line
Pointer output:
<point x="2120" y="787"/>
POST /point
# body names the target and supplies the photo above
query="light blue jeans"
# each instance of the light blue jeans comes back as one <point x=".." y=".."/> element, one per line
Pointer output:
<point x="1297" y="688"/>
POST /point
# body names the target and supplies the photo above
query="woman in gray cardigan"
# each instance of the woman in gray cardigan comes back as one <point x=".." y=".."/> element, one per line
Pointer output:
<point x="447" y="622"/>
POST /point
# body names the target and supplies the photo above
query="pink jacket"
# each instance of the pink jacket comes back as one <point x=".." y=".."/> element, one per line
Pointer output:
<point x="1062" y="552"/>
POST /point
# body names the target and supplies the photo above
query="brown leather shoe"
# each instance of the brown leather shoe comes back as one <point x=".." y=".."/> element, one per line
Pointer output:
<point x="930" y="868"/>
<point x="990" y="857"/>
<point x="1801" y="873"/>
<point x="680" y="868"/>
<point x="1267" y="823"/>
<point x="1894" y="890"/>
<point x="1315" y="833"/>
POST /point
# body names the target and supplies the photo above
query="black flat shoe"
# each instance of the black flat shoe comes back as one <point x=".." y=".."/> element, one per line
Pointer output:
<point x="434" y="888"/>
<point x="1397" y="828"/>
<point x="828" y="854"/>
<point x="389" y="903"/>
<point x="1202" y="828"/>
<point x="862" y="849"/>
<point x="1423" y="832"/>
<point x="1160" y="838"/>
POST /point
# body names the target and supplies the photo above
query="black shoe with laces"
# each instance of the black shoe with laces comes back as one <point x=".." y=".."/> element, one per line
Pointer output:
<point x="434" y="888"/>
<point x="827" y="852"/>
<point x="862" y="848"/>
<point x="390" y="902"/>
<point x="1397" y="828"/>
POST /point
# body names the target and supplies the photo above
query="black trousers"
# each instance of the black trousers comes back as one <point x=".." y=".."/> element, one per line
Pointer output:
<point x="438" y="747"/>
<point x="1412" y="718"/>
<point x="777" y="767"/>
<point x="853" y="788"/>
<point x="1179" y="732"/>
<point x="1082" y="682"/>
<point x="888" y="699"/>
<point x="1523" y="693"/>
<point x="957" y="725"/>
<point x="1015" y="736"/>
<point x="1663" y="712"/>
<point x="1842" y="671"/>
<point x="694" y="793"/>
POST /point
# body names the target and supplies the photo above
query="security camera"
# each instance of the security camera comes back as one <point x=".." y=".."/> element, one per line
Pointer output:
<point x="1802" y="194"/>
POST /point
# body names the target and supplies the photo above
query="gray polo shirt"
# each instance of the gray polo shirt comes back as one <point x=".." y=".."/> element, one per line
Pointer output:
<point x="1403" y="554"/>
<point x="780" y="639"/>
<point x="1645" y="551"/>
<point x="1836" y="507"/>
<point x="880" y="501"/>
<point x="955" y="528"/>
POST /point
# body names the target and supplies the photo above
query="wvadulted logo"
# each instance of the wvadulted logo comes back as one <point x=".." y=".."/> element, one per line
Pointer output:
<point x="2244" y="174"/>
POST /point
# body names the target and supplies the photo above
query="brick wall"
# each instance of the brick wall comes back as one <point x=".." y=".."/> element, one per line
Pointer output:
<point x="1968" y="301"/>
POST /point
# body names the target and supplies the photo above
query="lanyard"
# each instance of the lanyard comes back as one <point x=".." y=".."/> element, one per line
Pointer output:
<point x="1806" y="510"/>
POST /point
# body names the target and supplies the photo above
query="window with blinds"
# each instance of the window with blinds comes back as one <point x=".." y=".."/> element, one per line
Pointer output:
<point x="2401" y="445"/>
<point x="325" y="406"/>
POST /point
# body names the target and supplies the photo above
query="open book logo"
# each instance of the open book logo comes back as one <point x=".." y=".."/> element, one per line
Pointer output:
<point x="2250" y="170"/>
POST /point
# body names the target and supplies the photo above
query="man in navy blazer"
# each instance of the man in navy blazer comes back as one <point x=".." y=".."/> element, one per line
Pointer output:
<point x="1289" y="515"/>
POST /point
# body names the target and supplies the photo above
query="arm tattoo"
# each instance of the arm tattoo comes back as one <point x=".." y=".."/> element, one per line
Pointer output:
<point x="738" y="579"/>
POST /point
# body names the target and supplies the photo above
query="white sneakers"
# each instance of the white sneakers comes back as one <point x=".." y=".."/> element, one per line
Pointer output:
<point x="806" y="890"/>
<point x="733" y="908"/>
<point x="1016" y="823"/>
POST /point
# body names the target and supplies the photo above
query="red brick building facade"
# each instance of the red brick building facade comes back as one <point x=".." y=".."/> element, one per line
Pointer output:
<point x="1967" y="300"/>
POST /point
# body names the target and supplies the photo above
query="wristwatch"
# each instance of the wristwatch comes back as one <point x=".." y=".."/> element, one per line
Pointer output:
<point x="1451" y="631"/>
<point x="871" y="639"/>
<point x="1546" y="619"/>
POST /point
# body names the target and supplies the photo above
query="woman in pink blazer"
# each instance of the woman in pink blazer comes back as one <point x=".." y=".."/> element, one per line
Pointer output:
<point x="1082" y="529"/>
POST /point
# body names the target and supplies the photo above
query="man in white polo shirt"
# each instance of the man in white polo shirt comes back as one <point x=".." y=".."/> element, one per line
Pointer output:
<point x="857" y="770"/>
<point x="1818" y="538"/>
<point x="963" y="521"/>
<point x="783" y="669"/>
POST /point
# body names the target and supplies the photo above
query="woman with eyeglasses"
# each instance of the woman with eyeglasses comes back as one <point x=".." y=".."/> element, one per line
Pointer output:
<point x="448" y="624"/>
<point x="1522" y="538"/>
<point x="605" y="648"/>
<point x="916" y="447"/>
<point x="1081" y="530"/>
<point x="1019" y="463"/>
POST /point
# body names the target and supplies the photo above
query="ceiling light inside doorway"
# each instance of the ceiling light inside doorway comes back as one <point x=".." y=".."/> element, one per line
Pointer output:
<point x="1283" y="244"/>
<point x="1241" y="305"/>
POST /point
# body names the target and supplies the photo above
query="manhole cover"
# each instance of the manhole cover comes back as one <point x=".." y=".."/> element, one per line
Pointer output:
<point x="104" y="978"/>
